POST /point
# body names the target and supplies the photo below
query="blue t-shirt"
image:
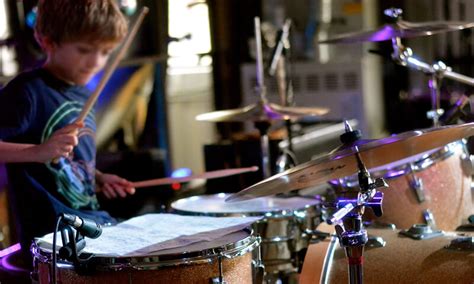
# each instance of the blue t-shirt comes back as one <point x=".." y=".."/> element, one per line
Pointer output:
<point x="32" y="107"/>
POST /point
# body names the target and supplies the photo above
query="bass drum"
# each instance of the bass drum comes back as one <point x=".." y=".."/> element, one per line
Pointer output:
<point x="285" y="228"/>
<point x="438" y="181"/>
<point x="401" y="260"/>
<point x="235" y="255"/>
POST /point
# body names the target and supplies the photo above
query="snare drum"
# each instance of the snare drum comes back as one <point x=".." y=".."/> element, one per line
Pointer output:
<point x="285" y="228"/>
<point x="236" y="253"/>
<point x="438" y="181"/>
<point x="401" y="260"/>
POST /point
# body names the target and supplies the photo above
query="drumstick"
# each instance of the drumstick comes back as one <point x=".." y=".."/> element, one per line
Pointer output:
<point x="111" y="67"/>
<point x="206" y="175"/>
<point x="109" y="70"/>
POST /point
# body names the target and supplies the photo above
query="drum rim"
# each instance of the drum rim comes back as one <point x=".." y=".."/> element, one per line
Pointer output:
<point x="153" y="262"/>
<point x="275" y="213"/>
<point x="421" y="164"/>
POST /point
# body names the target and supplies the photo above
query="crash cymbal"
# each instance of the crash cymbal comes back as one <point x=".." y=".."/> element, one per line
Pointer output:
<point x="343" y="162"/>
<point x="261" y="112"/>
<point x="400" y="29"/>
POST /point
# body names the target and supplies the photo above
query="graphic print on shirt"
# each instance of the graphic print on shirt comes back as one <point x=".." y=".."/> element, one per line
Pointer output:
<point x="75" y="174"/>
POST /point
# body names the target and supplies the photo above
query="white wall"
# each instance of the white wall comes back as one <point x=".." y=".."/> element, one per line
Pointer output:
<point x="189" y="94"/>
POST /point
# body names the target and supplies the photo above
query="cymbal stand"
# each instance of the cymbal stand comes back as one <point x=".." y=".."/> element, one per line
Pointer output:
<point x="348" y="219"/>
<point x="263" y="127"/>
<point x="404" y="56"/>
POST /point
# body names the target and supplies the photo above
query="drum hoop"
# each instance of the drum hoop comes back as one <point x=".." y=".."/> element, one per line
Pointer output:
<point x="153" y="262"/>
<point x="266" y="215"/>
<point x="411" y="167"/>
<point x="274" y="214"/>
<point x="328" y="260"/>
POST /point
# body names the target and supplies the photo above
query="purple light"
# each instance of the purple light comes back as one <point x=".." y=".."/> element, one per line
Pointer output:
<point x="387" y="32"/>
<point x="393" y="174"/>
<point x="10" y="250"/>
<point x="5" y="255"/>
<point x="10" y="267"/>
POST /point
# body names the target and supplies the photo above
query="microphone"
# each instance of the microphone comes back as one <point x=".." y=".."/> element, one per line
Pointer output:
<point x="278" y="50"/>
<point x="455" y="112"/>
<point x="88" y="228"/>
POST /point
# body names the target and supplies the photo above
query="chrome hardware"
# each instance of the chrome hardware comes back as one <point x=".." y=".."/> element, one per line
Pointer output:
<point x="379" y="225"/>
<point x="258" y="271"/>
<point x="429" y="218"/>
<point x="462" y="244"/>
<point x="286" y="161"/>
<point x="470" y="160"/>
<point x="416" y="184"/>
<point x="421" y="232"/>
<point x="220" y="278"/>
<point x="393" y="13"/>
<point x="375" y="242"/>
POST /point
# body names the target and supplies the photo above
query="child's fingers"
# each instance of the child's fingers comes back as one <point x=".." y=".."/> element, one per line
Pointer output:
<point x="120" y="190"/>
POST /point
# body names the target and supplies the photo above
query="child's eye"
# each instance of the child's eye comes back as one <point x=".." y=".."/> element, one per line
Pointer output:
<point x="84" y="50"/>
<point x="106" y="52"/>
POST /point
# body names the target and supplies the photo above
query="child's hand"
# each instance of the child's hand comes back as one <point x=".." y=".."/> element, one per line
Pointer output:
<point x="60" y="144"/>
<point x="113" y="185"/>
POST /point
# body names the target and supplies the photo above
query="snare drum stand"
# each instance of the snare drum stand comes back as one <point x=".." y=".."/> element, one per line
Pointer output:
<point x="348" y="219"/>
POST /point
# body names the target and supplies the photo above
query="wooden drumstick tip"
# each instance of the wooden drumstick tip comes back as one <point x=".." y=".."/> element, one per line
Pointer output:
<point x="254" y="168"/>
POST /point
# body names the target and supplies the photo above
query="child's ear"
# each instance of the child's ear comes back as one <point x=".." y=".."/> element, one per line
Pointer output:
<point x="45" y="42"/>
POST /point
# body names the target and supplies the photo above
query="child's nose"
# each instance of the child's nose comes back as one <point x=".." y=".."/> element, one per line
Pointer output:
<point x="96" y="60"/>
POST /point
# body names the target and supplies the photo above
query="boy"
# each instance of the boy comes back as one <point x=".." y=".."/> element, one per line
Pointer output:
<point x="50" y="159"/>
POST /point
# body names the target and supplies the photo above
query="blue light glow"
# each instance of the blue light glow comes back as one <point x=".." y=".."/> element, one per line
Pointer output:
<point x="181" y="172"/>
<point x="30" y="18"/>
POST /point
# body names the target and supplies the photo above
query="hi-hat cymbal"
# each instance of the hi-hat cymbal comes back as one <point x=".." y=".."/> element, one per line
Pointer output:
<point x="343" y="162"/>
<point x="400" y="29"/>
<point x="261" y="112"/>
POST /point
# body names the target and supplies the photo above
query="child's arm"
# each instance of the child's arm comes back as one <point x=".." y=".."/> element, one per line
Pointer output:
<point x="60" y="144"/>
<point x="112" y="185"/>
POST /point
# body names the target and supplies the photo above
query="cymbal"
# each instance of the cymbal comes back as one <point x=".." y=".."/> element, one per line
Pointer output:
<point x="400" y="29"/>
<point x="261" y="112"/>
<point x="342" y="163"/>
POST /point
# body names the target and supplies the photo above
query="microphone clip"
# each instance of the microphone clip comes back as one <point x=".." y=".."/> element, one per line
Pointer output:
<point x="73" y="242"/>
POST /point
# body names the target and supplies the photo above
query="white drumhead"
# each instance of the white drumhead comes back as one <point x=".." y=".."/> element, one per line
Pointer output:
<point x="204" y="245"/>
<point x="215" y="204"/>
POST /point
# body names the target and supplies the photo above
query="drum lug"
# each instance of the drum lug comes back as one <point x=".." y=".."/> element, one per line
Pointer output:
<point x="462" y="244"/>
<point x="416" y="184"/>
<point x="421" y="232"/>
<point x="375" y="242"/>
<point x="219" y="279"/>
<point x="258" y="271"/>
<point x="34" y="275"/>
<point x="470" y="163"/>
<point x="375" y="224"/>
<point x="429" y="218"/>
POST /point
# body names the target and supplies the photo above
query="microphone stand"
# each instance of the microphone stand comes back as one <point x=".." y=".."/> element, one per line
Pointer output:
<point x="278" y="68"/>
<point x="262" y="125"/>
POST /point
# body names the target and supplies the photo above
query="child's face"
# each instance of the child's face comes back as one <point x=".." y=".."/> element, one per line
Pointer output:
<point x="78" y="61"/>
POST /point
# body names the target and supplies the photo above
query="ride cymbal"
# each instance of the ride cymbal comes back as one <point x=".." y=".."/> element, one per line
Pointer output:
<point x="261" y="112"/>
<point x="400" y="29"/>
<point x="342" y="163"/>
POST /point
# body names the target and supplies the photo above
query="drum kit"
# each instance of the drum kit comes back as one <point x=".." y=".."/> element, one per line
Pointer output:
<point x="426" y="180"/>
